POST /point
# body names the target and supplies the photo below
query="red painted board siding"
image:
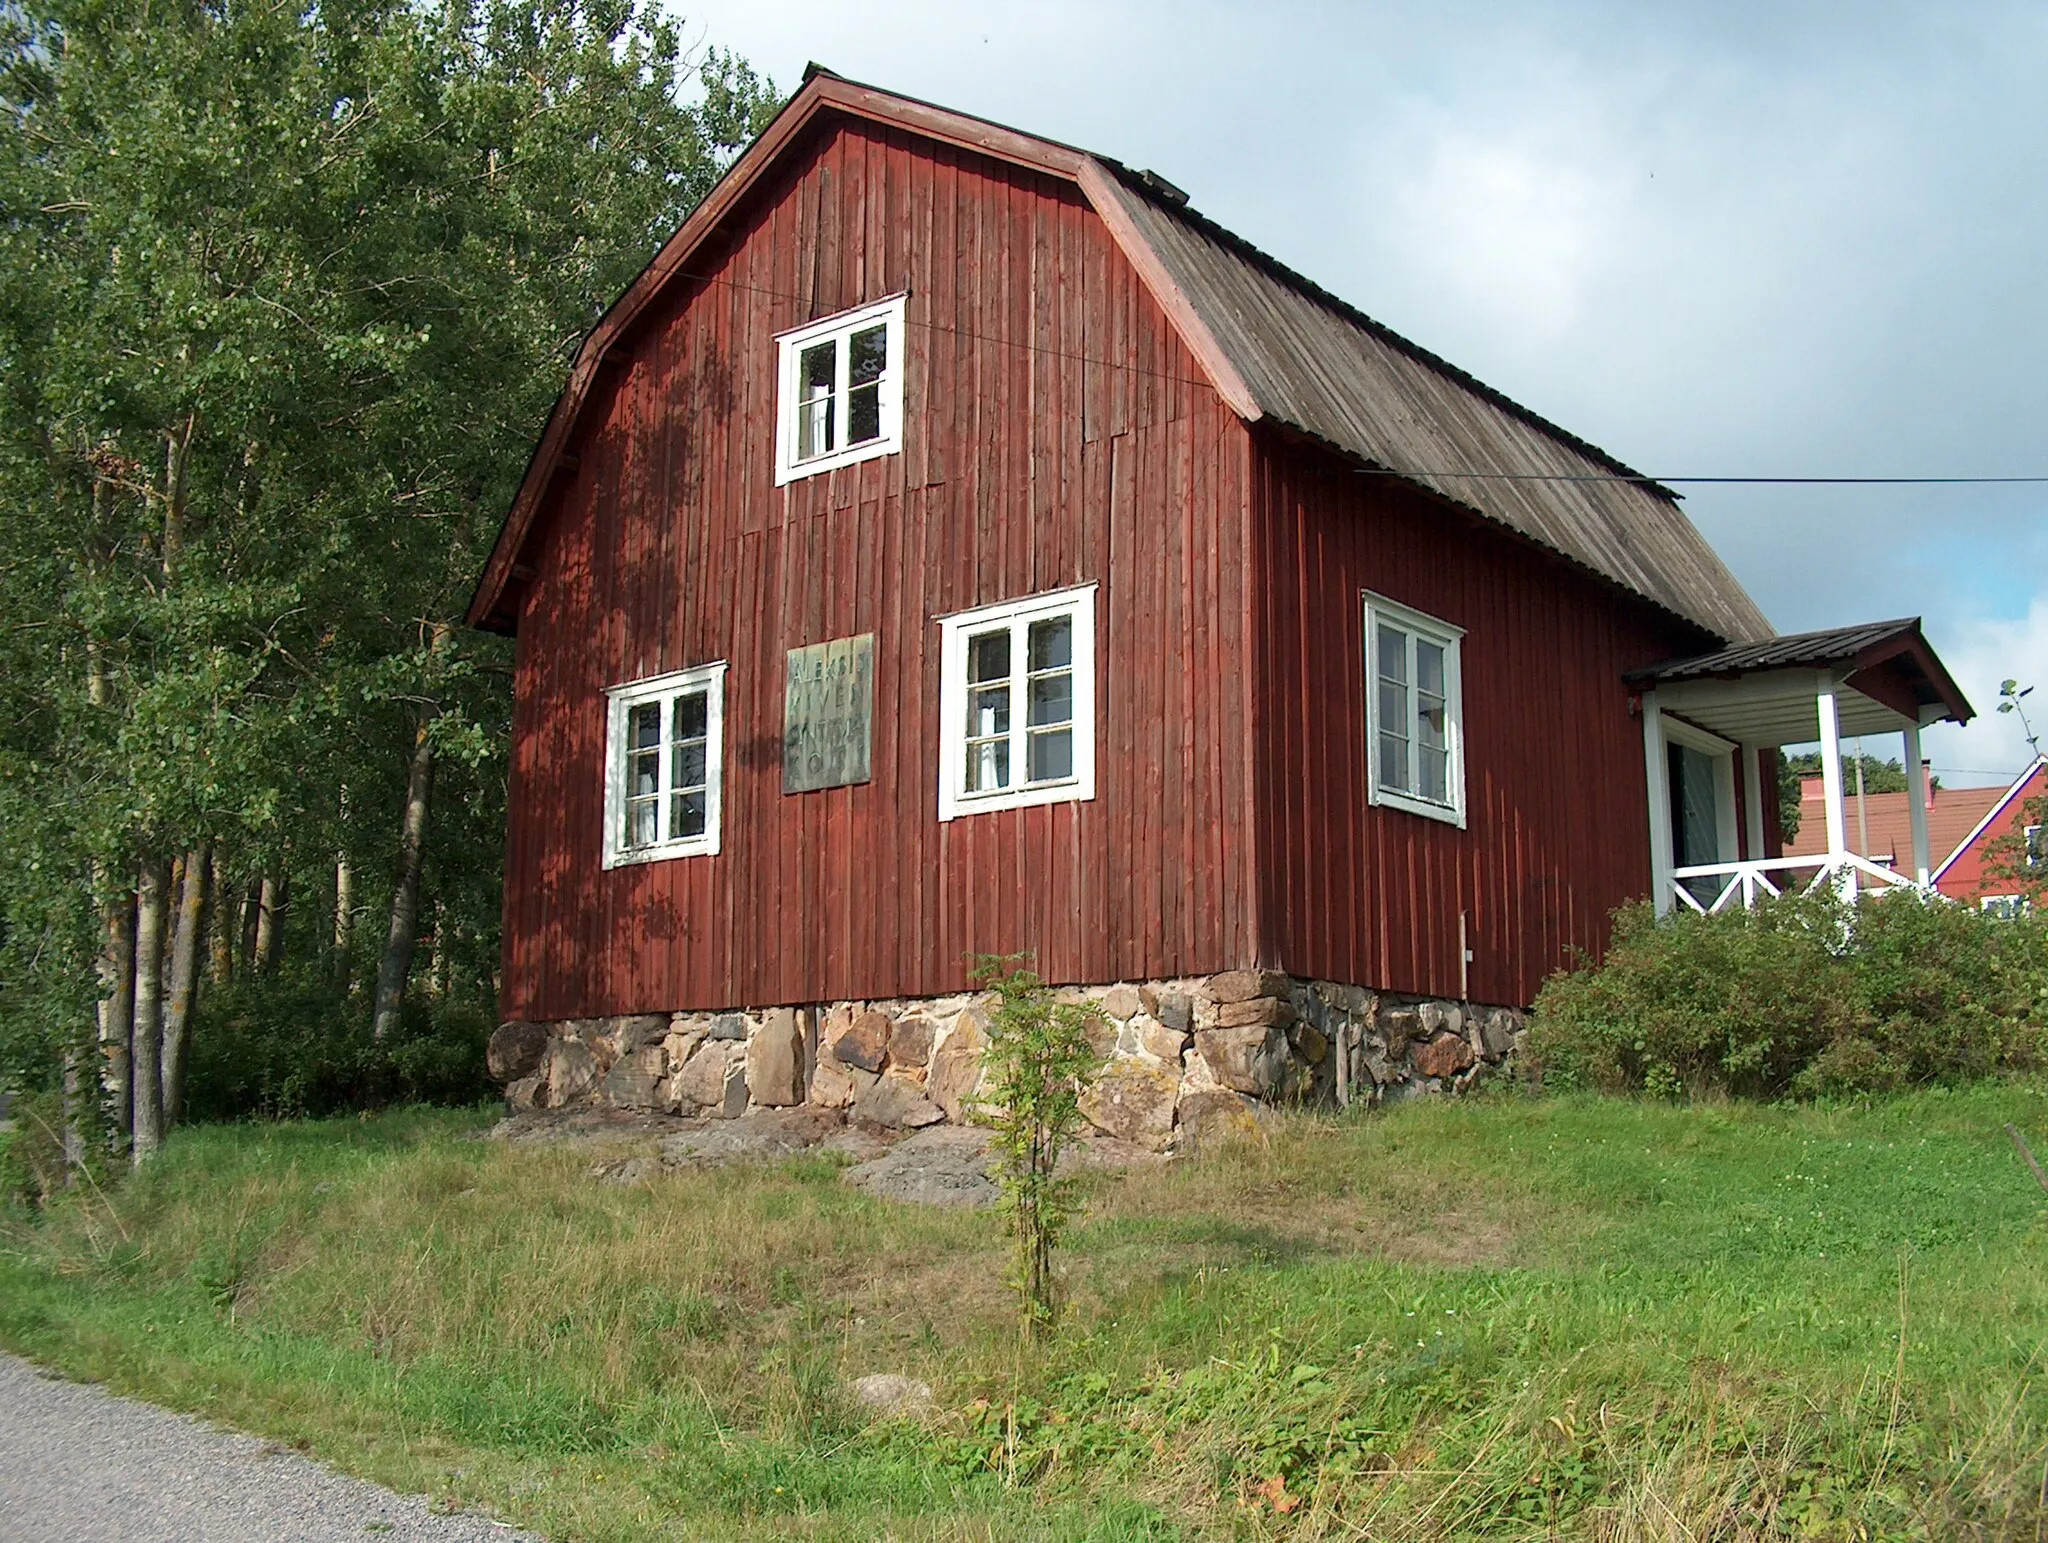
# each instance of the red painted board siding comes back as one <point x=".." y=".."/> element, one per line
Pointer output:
<point x="1056" y="432"/>
<point x="1557" y="830"/>
<point x="1974" y="873"/>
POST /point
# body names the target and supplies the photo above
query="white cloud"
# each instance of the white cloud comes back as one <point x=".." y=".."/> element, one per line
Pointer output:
<point x="1982" y="654"/>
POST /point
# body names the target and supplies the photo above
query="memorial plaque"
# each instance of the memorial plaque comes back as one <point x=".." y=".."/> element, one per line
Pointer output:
<point x="828" y="718"/>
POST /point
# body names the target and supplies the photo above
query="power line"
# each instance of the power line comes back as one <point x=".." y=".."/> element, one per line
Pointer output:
<point x="1639" y="479"/>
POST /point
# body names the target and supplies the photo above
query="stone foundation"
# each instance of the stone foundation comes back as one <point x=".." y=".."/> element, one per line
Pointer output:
<point x="1184" y="1061"/>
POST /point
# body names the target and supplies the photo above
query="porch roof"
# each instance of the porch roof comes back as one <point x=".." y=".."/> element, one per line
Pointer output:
<point x="1884" y="674"/>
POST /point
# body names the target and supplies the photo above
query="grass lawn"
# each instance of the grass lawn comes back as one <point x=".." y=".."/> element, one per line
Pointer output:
<point x="1512" y="1318"/>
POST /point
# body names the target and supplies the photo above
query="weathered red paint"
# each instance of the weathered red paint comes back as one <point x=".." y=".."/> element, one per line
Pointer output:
<point x="1057" y="431"/>
<point x="1557" y="831"/>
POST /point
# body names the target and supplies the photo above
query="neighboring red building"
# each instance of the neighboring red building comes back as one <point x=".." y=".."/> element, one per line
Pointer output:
<point x="1962" y="825"/>
<point x="1965" y="875"/>
<point x="953" y="544"/>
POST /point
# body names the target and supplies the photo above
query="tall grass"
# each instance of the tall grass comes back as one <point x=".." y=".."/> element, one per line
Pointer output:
<point x="1571" y="1317"/>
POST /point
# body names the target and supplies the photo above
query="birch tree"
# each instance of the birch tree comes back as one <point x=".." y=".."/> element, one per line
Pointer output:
<point x="284" y="296"/>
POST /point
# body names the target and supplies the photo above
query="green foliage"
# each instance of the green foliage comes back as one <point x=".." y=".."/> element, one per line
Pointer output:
<point x="1805" y="995"/>
<point x="282" y="1050"/>
<point x="1037" y="1060"/>
<point x="284" y="296"/>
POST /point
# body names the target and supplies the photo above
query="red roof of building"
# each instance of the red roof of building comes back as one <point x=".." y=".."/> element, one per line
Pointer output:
<point x="1951" y="815"/>
<point x="1954" y="817"/>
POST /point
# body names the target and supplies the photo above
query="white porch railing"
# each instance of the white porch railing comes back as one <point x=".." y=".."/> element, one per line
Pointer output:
<point x="1747" y="882"/>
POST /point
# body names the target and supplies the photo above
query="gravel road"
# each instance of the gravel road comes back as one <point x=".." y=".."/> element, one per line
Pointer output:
<point x="78" y="1465"/>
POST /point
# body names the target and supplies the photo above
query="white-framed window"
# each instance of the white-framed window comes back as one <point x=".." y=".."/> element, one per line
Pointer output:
<point x="839" y="390"/>
<point x="2005" y="907"/>
<point x="2036" y="848"/>
<point x="1415" y="757"/>
<point x="1017" y="704"/>
<point x="663" y="766"/>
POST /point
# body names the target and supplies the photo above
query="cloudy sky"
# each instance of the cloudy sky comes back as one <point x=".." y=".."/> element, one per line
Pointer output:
<point x="1718" y="239"/>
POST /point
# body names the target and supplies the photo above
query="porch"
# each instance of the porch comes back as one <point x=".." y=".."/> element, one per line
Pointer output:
<point x="1707" y="721"/>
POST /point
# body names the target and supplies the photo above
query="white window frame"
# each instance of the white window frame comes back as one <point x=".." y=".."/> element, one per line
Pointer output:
<point x="954" y="800"/>
<point x="1450" y="639"/>
<point x="2005" y="907"/>
<point x="789" y="350"/>
<point x="620" y="701"/>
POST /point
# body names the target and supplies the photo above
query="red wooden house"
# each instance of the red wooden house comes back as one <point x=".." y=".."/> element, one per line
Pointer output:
<point x="954" y="544"/>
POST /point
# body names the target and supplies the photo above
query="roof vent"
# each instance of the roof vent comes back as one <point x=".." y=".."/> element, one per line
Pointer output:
<point x="1166" y="190"/>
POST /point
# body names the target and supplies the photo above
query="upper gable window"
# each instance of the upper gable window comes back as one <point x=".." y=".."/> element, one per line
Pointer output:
<point x="663" y="771"/>
<point x="1414" y="703"/>
<point x="839" y="390"/>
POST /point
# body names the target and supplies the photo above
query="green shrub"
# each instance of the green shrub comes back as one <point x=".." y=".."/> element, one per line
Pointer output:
<point x="1803" y="995"/>
<point x="280" y="1049"/>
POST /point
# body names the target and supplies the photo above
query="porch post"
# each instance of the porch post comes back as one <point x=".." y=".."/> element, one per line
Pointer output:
<point x="1656" y="769"/>
<point x="1831" y="779"/>
<point x="1916" y="802"/>
<point x="1753" y="799"/>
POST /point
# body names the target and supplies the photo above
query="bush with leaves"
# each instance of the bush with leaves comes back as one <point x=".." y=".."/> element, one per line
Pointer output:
<point x="296" y="1050"/>
<point x="1802" y="996"/>
<point x="1037" y="1061"/>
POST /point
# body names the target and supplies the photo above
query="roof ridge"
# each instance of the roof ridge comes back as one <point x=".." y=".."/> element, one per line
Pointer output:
<point x="1302" y="284"/>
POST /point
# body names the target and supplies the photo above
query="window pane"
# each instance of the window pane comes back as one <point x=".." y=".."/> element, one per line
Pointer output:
<point x="1434" y="783"/>
<point x="988" y="765"/>
<point x="814" y="372"/>
<point x="988" y="656"/>
<point x="643" y="727"/>
<point x="1393" y="655"/>
<point x="645" y="781"/>
<point x="863" y="414"/>
<point x="689" y="765"/>
<point x="1051" y="699"/>
<point x="686" y="815"/>
<point x="642" y="817"/>
<point x="988" y="711"/>
<point x="692" y="715"/>
<point x="1050" y="756"/>
<point x="1394" y="762"/>
<point x="1429" y="667"/>
<point x="1052" y="644"/>
<point x="1393" y="714"/>
<point x="869" y="354"/>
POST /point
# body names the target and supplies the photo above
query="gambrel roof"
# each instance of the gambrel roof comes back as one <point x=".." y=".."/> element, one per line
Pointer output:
<point x="1275" y="346"/>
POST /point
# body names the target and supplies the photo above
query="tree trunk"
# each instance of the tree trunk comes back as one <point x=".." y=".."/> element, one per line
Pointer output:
<point x="152" y="906"/>
<point x="344" y="916"/>
<point x="74" y="1113"/>
<point x="220" y="937"/>
<point x="252" y="910"/>
<point x="270" y="905"/>
<point x="396" y="963"/>
<point x="184" y="983"/>
<point x="117" y="1010"/>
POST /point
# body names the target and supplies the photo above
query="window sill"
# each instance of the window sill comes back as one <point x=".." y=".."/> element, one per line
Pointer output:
<point x="1447" y="814"/>
<point x="697" y="847"/>
<point x="874" y="449"/>
<point x="1071" y="791"/>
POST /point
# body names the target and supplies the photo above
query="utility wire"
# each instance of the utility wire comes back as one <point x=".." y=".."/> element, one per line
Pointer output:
<point x="1637" y="477"/>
